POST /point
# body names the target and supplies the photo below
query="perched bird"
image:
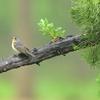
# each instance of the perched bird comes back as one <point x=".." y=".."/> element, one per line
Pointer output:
<point x="20" y="47"/>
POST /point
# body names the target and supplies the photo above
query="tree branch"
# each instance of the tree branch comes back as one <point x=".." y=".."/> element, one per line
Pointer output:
<point x="60" y="47"/>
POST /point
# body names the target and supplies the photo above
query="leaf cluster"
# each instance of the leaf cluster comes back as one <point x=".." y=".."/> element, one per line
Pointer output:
<point x="86" y="14"/>
<point x="48" y="29"/>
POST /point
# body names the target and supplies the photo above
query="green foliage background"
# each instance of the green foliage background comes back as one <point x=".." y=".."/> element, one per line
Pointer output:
<point x="86" y="14"/>
<point x="59" y="78"/>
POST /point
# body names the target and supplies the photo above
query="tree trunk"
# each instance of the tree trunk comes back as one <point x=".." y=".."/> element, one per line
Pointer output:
<point x="25" y="78"/>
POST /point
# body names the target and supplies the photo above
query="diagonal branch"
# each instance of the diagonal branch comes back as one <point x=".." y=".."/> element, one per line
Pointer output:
<point x="60" y="47"/>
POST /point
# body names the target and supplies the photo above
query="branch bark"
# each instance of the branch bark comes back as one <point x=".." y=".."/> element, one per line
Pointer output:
<point x="60" y="47"/>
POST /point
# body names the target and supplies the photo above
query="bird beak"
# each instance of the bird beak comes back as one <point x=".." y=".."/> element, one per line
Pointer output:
<point x="12" y="39"/>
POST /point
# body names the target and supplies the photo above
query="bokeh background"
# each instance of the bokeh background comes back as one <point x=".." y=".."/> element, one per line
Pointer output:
<point x="58" y="78"/>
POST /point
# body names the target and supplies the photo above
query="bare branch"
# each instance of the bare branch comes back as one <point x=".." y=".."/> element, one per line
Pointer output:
<point x="60" y="47"/>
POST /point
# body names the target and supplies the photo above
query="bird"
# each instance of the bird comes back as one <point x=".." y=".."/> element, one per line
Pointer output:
<point x="20" y="47"/>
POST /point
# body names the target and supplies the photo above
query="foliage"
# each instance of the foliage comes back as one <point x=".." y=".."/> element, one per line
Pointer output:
<point x="86" y="14"/>
<point x="48" y="29"/>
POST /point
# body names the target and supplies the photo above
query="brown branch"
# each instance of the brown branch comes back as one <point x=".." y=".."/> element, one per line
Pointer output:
<point x="60" y="47"/>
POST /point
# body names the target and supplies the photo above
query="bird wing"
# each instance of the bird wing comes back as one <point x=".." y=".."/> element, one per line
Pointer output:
<point x="24" y="49"/>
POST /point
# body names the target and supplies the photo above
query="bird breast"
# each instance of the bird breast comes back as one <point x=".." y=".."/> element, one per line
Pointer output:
<point x="15" y="48"/>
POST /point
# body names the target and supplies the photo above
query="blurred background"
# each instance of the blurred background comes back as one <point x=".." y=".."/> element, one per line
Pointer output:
<point x="59" y="78"/>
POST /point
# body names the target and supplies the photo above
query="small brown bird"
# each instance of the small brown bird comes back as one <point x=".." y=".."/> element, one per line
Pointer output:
<point x="20" y="47"/>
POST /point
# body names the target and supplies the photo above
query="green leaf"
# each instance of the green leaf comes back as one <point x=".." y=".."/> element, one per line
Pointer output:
<point x="48" y="29"/>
